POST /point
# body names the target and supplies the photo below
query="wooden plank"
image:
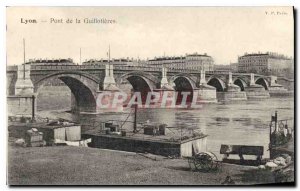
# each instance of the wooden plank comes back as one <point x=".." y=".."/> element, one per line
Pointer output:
<point x="73" y="133"/>
<point x="60" y="133"/>
<point x="199" y="145"/>
<point x="186" y="149"/>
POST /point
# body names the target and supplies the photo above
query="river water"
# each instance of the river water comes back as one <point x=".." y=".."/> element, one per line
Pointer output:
<point x="242" y="123"/>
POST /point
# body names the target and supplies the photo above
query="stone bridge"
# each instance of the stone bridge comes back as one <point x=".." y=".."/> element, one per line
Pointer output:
<point x="86" y="82"/>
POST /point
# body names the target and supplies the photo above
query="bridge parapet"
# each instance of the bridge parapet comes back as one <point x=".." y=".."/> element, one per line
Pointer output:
<point x="154" y="69"/>
<point x="66" y="67"/>
<point x="125" y="68"/>
<point x="12" y="68"/>
<point x="138" y="68"/>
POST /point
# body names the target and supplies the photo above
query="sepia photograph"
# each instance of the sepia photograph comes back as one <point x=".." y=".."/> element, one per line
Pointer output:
<point x="155" y="96"/>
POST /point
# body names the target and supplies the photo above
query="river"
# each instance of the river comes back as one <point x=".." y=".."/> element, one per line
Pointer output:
<point x="243" y="122"/>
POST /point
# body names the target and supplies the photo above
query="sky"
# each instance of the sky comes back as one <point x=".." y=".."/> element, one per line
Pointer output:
<point x="145" y="32"/>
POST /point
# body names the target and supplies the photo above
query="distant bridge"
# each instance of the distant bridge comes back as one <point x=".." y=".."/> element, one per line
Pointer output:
<point x="150" y="77"/>
<point x="86" y="81"/>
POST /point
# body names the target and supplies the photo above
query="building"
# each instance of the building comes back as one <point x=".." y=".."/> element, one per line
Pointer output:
<point x="115" y="62"/>
<point x="266" y="64"/>
<point x="190" y="61"/>
<point x="52" y="62"/>
<point x="232" y="67"/>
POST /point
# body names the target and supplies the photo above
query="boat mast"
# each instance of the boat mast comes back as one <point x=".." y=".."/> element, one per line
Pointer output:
<point x="80" y="56"/>
<point x="24" y="58"/>
<point x="134" y="122"/>
<point x="275" y="121"/>
<point x="109" y="57"/>
<point x="270" y="136"/>
<point x="273" y="138"/>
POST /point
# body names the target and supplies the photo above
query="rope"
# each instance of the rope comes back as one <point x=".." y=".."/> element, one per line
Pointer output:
<point x="126" y="119"/>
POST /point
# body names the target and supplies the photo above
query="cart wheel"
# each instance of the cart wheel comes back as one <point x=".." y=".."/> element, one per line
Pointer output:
<point x="206" y="161"/>
<point x="203" y="161"/>
<point x="215" y="162"/>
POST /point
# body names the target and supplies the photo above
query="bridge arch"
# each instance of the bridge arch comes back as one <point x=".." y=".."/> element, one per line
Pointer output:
<point x="241" y="83"/>
<point x="140" y="81"/>
<point x="83" y="87"/>
<point x="217" y="83"/>
<point x="263" y="82"/>
<point x="148" y="80"/>
<point x="192" y="79"/>
<point x="183" y="83"/>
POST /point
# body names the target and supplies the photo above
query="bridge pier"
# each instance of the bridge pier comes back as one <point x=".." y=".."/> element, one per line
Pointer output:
<point x="24" y="84"/>
<point x="107" y="99"/>
<point x="205" y="93"/>
<point x="166" y="93"/>
<point x="74" y="107"/>
<point x="232" y="92"/>
<point x="277" y="90"/>
<point x="255" y="91"/>
<point x="23" y="103"/>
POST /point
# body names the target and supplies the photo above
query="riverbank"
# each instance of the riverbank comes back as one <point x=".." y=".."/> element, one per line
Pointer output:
<point x="55" y="115"/>
<point x="66" y="165"/>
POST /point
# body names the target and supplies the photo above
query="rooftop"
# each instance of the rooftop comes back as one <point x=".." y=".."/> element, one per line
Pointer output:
<point x="269" y="54"/>
<point x="106" y="60"/>
<point x="179" y="57"/>
<point x="69" y="60"/>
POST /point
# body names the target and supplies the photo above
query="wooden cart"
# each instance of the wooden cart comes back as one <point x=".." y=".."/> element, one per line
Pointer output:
<point x="204" y="161"/>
